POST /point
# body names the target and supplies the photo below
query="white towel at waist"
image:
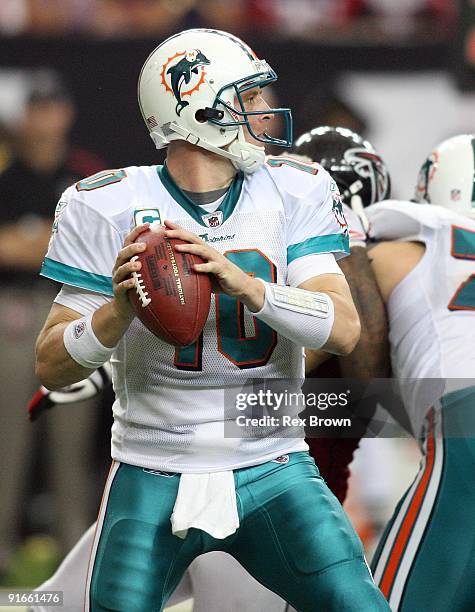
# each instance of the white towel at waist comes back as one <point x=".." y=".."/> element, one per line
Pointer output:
<point x="207" y="502"/>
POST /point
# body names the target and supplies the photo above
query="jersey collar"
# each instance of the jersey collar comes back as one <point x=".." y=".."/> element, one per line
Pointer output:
<point x="196" y="211"/>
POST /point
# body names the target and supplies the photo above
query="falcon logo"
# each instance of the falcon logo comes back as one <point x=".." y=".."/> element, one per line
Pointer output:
<point x="369" y="165"/>
<point x="426" y="174"/>
<point x="183" y="74"/>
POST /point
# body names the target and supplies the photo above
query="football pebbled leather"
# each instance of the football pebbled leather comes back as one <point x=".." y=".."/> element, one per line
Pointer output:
<point x="170" y="298"/>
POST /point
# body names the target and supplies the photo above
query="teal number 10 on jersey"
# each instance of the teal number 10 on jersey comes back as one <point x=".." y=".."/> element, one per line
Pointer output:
<point x="245" y="351"/>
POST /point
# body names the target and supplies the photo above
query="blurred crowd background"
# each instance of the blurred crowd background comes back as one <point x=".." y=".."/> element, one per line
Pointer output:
<point x="375" y="19"/>
<point x="402" y="73"/>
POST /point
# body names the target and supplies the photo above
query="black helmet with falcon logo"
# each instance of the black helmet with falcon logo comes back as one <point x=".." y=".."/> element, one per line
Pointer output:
<point x="360" y="173"/>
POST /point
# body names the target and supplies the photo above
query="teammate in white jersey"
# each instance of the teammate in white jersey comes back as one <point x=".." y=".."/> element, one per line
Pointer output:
<point x="281" y="222"/>
<point x="425" y="269"/>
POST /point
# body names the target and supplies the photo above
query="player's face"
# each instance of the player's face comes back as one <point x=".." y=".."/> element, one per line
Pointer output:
<point x="253" y="101"/>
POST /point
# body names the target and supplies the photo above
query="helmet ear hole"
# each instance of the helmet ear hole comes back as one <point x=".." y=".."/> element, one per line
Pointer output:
<point x="203" y="114"/>
<point x="200" y="115"/>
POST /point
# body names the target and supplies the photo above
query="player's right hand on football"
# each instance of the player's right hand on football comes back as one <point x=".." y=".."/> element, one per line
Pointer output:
<point x="231" y="279"/>
<point x="123" y="267"/>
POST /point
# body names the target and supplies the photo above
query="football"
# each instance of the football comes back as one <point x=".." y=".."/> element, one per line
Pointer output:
<point x="170" y="298"/>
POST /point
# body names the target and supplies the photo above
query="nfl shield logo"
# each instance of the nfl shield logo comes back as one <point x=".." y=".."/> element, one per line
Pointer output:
<point x="213" y="219"/>
<point x="455" y="195"/>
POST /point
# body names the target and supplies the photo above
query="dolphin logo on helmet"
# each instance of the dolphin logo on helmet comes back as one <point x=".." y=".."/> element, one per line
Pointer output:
<point x="181" y="73"/>
<point x="426" y="174"/>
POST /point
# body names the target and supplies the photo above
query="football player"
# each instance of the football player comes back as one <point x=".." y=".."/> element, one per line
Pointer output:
<point x="213" y="574"/>
<point x="278" y="230"/>
<point x="424" y="265"/>
<point x="363" y="179"/>
<point x="409" y="562"/>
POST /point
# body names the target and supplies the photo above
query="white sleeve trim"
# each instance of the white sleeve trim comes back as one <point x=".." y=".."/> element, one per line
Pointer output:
<point x="301" y="269"/>
<point x="80" y="300"/>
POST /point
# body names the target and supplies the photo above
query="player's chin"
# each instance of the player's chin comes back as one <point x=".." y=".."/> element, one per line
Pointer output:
<point x="252" y="139"/>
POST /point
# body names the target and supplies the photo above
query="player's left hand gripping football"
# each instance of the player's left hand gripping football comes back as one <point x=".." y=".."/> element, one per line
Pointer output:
<point x="123" y="267"/>
<point x="230" y="278"/>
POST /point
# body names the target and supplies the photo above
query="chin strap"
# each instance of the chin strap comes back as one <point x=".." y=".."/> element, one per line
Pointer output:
<point x="248" y="157"/>
<point x="243" y="155"/>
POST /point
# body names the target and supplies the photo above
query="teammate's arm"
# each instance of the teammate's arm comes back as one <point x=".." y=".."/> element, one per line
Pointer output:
<point x="392" y="261"/>
<point x="54" y="365"/>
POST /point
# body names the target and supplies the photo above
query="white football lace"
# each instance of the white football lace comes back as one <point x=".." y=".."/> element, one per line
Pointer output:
<point x="140" y="286"/>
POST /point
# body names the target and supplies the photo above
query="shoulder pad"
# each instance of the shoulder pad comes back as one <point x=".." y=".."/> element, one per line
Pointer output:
<point x="110" y="192"/>
<point x="295" y="176"/>
<point x="399" y="220"/>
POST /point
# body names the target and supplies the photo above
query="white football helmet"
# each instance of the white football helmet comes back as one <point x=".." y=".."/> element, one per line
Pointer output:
<point x="447" y="176"/>
<point x="190" y="89"/>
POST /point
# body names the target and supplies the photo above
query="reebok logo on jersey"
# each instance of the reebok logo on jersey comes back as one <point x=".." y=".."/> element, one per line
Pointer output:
<point x="206" y="238"/>
<point x="79" y="329"/>
<point x="281" y="459"/>
<point x="159" y="473"/>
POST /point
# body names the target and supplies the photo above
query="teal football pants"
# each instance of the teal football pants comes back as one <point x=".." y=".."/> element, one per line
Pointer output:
<point x="294" y="537"/>
<point x="425" y="561"/>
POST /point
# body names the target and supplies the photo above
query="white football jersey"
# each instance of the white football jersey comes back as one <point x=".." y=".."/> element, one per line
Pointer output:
<point x="173" y="405"/>
<point x="432" y="310"/>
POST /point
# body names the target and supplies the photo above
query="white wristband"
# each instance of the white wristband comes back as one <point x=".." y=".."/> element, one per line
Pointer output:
<point x="305" y="317"/>
<point x="83" y="345"/>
